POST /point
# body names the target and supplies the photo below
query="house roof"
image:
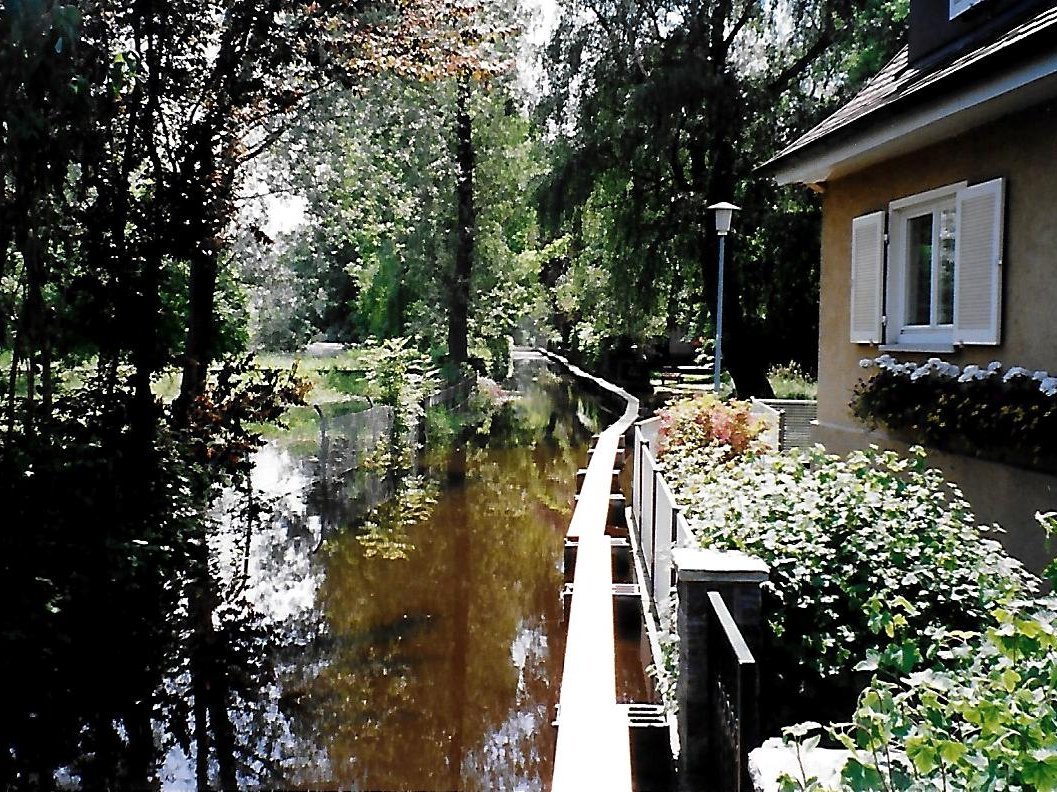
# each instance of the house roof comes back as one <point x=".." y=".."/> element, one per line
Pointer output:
<point x="907" y="105"/>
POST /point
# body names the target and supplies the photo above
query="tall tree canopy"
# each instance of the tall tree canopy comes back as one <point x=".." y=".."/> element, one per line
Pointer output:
<point x="660" y="109"/>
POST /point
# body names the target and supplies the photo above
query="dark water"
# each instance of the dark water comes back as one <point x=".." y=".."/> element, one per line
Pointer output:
<point x="413" y="645"/>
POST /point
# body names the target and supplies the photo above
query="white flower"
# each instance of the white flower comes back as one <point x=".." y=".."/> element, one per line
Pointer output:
<point x="1039" y="376"/>
<point x="935" y="362"/>
<point x="1016" y="371"/>
<point x="994" y="365"/>
<point x="865" y="363"/>
<point x="1049" y="386"/>
<point x="968" y="373"/>
<point x="919" y="372"/>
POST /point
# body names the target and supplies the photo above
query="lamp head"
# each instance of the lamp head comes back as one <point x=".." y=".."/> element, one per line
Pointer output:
<point x="724" y="212"/>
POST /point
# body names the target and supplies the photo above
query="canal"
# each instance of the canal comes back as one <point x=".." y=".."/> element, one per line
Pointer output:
<point x="371" y="632"/>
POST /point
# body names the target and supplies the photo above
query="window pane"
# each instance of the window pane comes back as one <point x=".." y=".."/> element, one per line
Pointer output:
<point x="945" y="292"/>
<point x="919" y="270"/>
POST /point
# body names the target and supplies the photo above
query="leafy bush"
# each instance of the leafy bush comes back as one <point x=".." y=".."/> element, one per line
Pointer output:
<point x="790" y="381"/>
<point x="1008" y="416"/>
<point x="400" y="376"/>
<point x="984" y="719"/>
<point x="862" y="551"/>
<point x="707" y="421"/>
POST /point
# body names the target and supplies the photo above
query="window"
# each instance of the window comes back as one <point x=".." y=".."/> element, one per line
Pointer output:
<point x="935" y="280"/>
<point x="922" y="238"/>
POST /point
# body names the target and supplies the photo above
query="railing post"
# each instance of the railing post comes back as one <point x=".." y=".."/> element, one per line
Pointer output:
<point x="658" y="474"/>
<point x="641" y="451"/>
<point x="676" y="511"/>
<point x="737" y="577"/>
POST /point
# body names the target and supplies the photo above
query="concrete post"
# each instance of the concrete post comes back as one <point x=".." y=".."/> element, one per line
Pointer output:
<point x="737" y="577"/>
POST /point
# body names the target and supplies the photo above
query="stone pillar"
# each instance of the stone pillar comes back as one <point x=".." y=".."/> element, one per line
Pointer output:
<point x="737" y="577"/>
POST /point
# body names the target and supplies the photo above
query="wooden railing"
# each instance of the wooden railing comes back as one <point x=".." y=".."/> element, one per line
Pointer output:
<point x="593" y="747"/>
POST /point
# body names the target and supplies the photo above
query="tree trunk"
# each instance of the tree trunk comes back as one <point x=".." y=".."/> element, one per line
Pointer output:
<point x="201" y="329"/>
<point x="459" y="306"/>
<point x="146" y="352"/>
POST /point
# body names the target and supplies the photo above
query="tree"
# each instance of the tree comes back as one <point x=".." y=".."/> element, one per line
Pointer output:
<point x="667" y="107"/>
<point x="457" y="40"/>
<point x="419" y="216"/>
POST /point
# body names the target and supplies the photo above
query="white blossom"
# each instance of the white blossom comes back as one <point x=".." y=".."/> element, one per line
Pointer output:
<point x="1049" y="386"/>
<point x="1016" y="371"/>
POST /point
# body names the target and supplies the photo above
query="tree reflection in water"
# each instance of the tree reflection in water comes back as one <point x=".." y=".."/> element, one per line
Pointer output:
<point x="436" y="670"/>
<point x="274" y="646"/>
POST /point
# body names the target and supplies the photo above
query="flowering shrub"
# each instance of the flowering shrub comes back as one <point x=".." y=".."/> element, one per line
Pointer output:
<point x="706" y="421"/>
<point x="1006" y="415"/>
<point x="863" y="551"/>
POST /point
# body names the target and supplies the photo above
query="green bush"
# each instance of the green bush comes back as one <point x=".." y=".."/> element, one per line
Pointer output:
<point x="346" y="382"/>
<point x="790" y="381"/>
<point x="868" y="555"/>
<point x="983" y="717"/>
<point x="443" y="426"/>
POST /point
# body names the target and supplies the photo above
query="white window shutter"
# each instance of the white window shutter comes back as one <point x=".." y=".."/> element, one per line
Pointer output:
<point x="867" y="277"/>
<point x="978" y="264"/>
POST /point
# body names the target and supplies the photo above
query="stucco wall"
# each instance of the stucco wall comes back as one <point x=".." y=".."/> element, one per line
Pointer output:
<point x="1022" y="150"/>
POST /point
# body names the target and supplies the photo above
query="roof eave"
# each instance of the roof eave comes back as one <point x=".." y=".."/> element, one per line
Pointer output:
<point x="909" y="126"/>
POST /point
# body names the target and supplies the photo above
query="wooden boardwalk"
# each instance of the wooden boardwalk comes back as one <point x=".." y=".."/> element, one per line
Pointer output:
<point x="593" y="749"/>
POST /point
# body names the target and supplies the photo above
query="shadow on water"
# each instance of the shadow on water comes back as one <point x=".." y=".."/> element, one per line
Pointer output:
<point x="355" y="628"/>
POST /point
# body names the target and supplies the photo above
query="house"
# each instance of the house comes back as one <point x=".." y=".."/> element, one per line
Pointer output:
<point x="939" y="236"/>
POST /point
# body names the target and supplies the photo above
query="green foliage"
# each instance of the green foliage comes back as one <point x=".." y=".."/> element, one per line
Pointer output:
<point x="220" y="430"/>
<point x="442" y="427"/>
<point x="375" y="256"/>
<point x="790" y="381"/>
<point x="1009" y="417"/>
<point x="663" y="109"/>
<point x="1048" y="522"/>
<point x="868" y="554"/>
<point x="351" y="383"/>
<point x="401" y="377"/>
<point x="980" y="715"/>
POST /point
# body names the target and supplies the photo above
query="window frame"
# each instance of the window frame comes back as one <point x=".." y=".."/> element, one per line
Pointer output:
<point x="899" y="333"/>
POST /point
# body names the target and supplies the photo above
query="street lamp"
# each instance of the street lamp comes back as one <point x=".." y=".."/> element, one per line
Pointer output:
<point x="724" y="212"/>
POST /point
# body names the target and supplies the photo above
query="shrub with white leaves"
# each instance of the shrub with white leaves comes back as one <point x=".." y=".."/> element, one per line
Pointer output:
<point x="851" y="544"/>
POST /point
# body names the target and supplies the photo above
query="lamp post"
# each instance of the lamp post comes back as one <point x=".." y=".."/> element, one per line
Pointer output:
<point x="724" y="212"/>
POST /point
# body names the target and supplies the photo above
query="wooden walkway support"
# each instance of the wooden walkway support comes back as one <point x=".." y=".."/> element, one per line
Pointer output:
<point x="593" y="748"/>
